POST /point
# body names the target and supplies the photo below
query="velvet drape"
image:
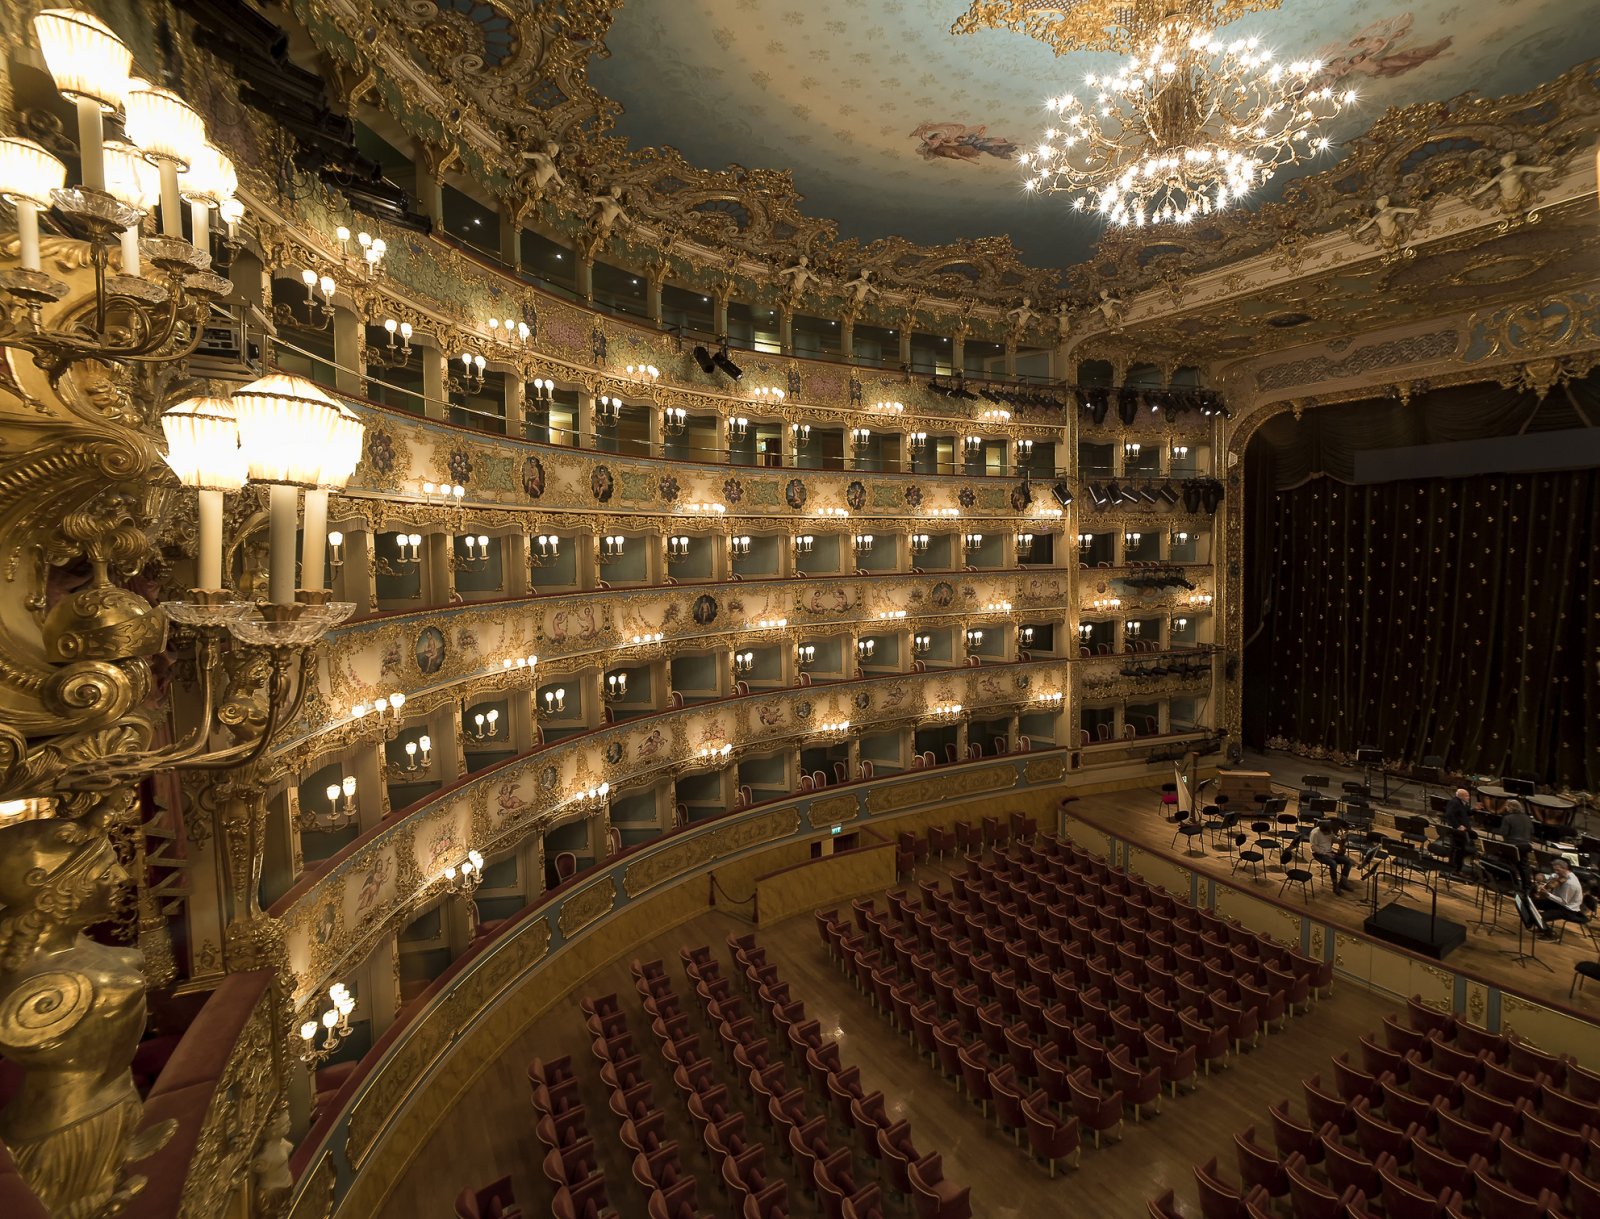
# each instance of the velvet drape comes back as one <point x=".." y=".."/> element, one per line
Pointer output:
<point x="1450" y="617"/>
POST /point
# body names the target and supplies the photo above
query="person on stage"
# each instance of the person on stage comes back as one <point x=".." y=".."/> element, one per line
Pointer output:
<point x="1328" y="848"/>
<point x="1458" y="820"/>
<point x="1516" y="827"/>
<point x="1558" y="894"/>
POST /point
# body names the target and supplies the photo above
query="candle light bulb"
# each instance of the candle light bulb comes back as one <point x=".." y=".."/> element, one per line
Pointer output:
<point x="350" y="785"/>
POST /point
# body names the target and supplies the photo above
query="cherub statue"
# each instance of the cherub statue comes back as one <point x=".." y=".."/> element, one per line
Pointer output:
<point x="860" y="287"/>
<point x="1111" y="309"/>
<point x="1514" y="197"/>
<point x="606" y="210"/>
<point x="1393" y="224"/>
<point x="798" y="276"/>
<point x="1063" y="318"/>
<point x="1022" y="316"/>
<point x="544" y="170"/>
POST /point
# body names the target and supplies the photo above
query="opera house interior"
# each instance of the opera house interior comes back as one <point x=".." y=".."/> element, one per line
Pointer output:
<point x="576" y="641"/>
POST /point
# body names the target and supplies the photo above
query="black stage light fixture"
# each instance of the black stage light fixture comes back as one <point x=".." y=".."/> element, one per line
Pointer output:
<point x="1062" y="493"/>
<point x="1113" y="493"/>
<point x="1211" y="496"/>
<point x="1101" y="400"/>
<point x="1127" y="406"/>
<point x="1191" y="496"/>
<point x="1099" y="496"/>
<point x="1148" y="494"/>
<point x="727" y="365"/>
<point x="702" y="357"/>
<point x="1169" y="493"/>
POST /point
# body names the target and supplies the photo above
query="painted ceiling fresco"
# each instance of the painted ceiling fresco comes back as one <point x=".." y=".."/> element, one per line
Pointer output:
<point x="891" y="124"/>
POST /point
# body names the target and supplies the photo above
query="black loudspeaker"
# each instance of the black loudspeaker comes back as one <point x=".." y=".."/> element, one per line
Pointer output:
<point x="1369" y="757"/>
<point x="1101" y="405"/>
<point x="1062" y="493"/>
<point x="1211" y="495"/>
<point x="1127" y="406"/>
<point x="702" y="357"/>
<point x="1191" y="496"/>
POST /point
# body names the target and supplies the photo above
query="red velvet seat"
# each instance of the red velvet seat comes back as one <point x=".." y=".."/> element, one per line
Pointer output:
<point x="1308" y="1198"/>
<point x="933" y="1196"/>
<point x="1218" y="1198"/>
<point x="1259" y="1168"/>
<point x="1097" y="1111"/>
<point x="1497" y="1200"/>
<point x="1436" y="1170"/>
<point x="1141" y="1089"/>
<point x="1464" y="1139"/>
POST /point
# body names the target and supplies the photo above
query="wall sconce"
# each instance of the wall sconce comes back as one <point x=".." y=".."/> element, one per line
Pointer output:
<point x="862" y="542"/>
<point x="1085" y="540"/>
<point x="740" y="545"/>
<point x="835" y="512"/>
<point x="801" y="433"/>
<point x="1105" y="604"/>
<point x="673" y="420"/>
<point x="974" y="639"/>
<point x="919" y="542"/>
<point x="384" y="705"/>
<point x="891" y="615"/>
<point x="616" y="686"/>
<point x="486" y="724"/>
<point x="1199" y="600"/>
<point x="1180" y="539"/>
<point x="1024" y="545"/>
<point x="738" y="426"/>
<point x="477" y="556"/>
<point x="1135" y="629"/>
<point x="1025" y="636"/>
<point x="555" y="700"/>
<point x="770" y="624"/>
<point x="1055" y="697"/>
<point x="644" y="372"/>
<point x="546" y="549"/>
<point x="802" y="543"/>
<point x="336" y="1025"/>
<point x="1085" y="632"/>
<point x="944" y="512"/>
<point x="335" y="549"/>
<point x="521" y="662"/>
<point x="315" y="309"/>
<point x="997" y="607"/>
<point x="865" y="648"/>
<point x="919" y="441"/>
<point x="1180" y="452"/>
<point x="341" y="806"/>
<point x="1024" y="451"/>
<point x="372" y="249"/>
<point x="444" y="493"/>
<point x="677" y="548"/>
<point x="641" y="640"/>
<point x="544" y="391"/>
<point x="743" y="662"/>
<point x="921" y="645"/>
<point x="509" y="331"/>
<point x="996" y="414"/>
<point x="714" y="753"/>
<point x="834" y="729"/>
<point x="607" y="410"/>
<point x="698" y="508"/>
<point x="463" y="879"/>
<point x="860" y="437"/>
<point x="972" y="446"/>
<point x="424" y="746"/>
<point x="946" y="709"/>
<point x="408" y="552"/>
<point x="767" y="395"/>
<point x="1180" y="624"/>
<point x="472" y="367"/>
<point x="611" y="547"/>
<point x="805" y="654"/>
<point x="1132" y="539"/>
<point x="395" y="355"/>
<point x="889" y="408"/>
<point x="971" y="541"/>
<point x="1131" y="450"/>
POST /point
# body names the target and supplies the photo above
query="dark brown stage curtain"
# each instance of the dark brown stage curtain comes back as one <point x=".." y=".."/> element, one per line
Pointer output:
<point x="1454" y="617"/>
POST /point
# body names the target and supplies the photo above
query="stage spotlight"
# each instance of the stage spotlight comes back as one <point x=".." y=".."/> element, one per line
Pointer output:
<point x="1168" y="493"/>
<point x="1062" y="493"/>
<point x="1211" y="496"/>
<point x="1101" y="407"/>
<point x="727" y="365"/>
<point x="1191" y="496"/>
<point x="1098" y="495"/>
<point x="702" y="357"/>
<point x="1127" y="406"/>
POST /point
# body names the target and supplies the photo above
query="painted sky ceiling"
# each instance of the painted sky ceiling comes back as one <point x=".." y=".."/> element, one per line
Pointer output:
<point x="893" y="125"/>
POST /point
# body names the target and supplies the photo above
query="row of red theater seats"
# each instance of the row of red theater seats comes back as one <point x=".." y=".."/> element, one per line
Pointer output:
<point x="1443" y="1120"/>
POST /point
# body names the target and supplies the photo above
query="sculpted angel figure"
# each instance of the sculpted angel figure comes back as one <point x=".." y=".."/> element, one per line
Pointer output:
<point x="544" y="170"/>
<point x="1111" y="309"/>
<point x="860" y="287"/>
<point x="1513" y="193"/>
<point x="1392" y="223"/>
<point x="606" y="210"/>
<point x="1022" y="316"/>
<point x="797" y="276"/>
<point x="1063" y="318"/>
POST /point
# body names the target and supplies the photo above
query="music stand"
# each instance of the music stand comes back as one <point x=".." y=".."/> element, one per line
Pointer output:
<point x="1370" y="758"/>
<point x="1529" y="918"/>
<point x="1516" y="787"/>
<point x="1432" y="771"/>
<point x="1497" y="876"/>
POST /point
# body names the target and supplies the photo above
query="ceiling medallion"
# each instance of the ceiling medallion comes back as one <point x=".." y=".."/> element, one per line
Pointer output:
<point x="1187" y="125"/>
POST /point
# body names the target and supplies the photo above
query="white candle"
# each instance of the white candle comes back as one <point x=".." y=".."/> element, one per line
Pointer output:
<point x="314" y="540"/>
<point x="208" y="557"/>
<point x="28" y="234"/>
<point x="200" y="224"/>
<point x="282" y="502"/>
<point x="130" y="250"/>
<point x="171" y="205"/>
<point x="91" y="143"/>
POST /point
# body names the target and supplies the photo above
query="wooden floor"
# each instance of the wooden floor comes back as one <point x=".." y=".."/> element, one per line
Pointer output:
<point x="493" y="1135"/>
<point x="1136" y="816"/>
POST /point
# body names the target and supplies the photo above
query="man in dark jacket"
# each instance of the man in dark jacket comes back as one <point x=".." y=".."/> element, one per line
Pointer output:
<point x="1458" y="820"/>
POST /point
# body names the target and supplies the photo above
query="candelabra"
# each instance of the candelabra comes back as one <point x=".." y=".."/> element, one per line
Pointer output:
<point x="485" y="725"/>
<point x="546" y="549"/>
<point x="544" y="392"/>
<point x="1054" y="697"/>
<point x="646" y="374"/>
<point x="1024" y="451"/>
<point x="892" y="615"/>
<point x="740" y="545"/>
<point x="803" y="542"/>
<point x="607" y="410"/>
<point x="1085" y="632"/>
<point x="408" y="554"/>
<point x="319" y="313"/>
<point x="944" y="512"/>
<point x="509" y="331"/>
<point x="920" y="542"/>
<point x="801" y="433"/>
<point x="1085" y="540"/>
<point x="889" y="408"/>
<point x="704" y="508"/>
<point x="419" y="754"/>
<point x="974" y="640"/>
<point x="1133" y="629"/>
<point x="471" y="379"/>
<point x="945" y="710"/>
<point x="995" y="414"/>
<point x="765" y="394"/>
<point x="972" y="446"/>
<point x="769" y="624"/>
<point x="971" y="541"/>
<point x="341" y="810"/>
<point x="443" y="493"/>
<point x="394" y="355"/>
<point x="805" y="655"/>
<point x="919" y="441"/>
<point x="861" y="543"/>
<point x="616" y="687"/>
<point x="860" y="437"/>
<point x="997" y="607"/>
<point x="1132" y="539"/>
<point x="833" y="512"/>
<point x="611" y="547"/>
<point x="511" y="665"/>
<point x="743" y="662"/>
<point x="1130" y="450"/>
<point x="1199" y="600"/>
<point x="738" y="427"/>
<point x="1180" y="624"/>
<point x="463" y="880"/>
<point x="835" y="728"/>
<point x="1024" y="545"/>
<point x="921" y="645"/>
<point x="674" y="419"/>
<point x="677" y="548"/>
<point x="714" y="752"/>
<point x="555" y="700"/>
<point x="334" y="1023"/>
<point x="477" y="553"/>
<point x="372" y="251"/>
<point x="1180" y="452"/>
<point x="1025" y="636"/>
<point x="865" y="648"/>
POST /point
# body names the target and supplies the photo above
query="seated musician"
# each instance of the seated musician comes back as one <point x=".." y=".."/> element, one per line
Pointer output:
<point x="1328" y="847"/>
<point x="1558" y="894"/>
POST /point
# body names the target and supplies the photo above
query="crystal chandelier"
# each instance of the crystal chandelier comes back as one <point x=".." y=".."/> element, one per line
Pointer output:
<point x="1187" y="125"/>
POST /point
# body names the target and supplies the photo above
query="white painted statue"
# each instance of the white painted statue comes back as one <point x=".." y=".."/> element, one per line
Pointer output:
<point x="545" y="170"/>
<point x="1513" y="194"/>
<point x="1393" y="224"/>
<point x="607" y="211"/>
